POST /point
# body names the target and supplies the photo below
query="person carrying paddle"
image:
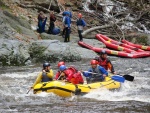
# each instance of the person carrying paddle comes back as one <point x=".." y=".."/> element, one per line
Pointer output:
<point x="69" y="74"/>
<point x="45" y="76"/>
<point x="95" y="73"/>
<point x="105" y="62"/>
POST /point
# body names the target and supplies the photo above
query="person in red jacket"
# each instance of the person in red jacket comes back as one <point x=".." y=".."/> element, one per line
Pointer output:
<point x="69" y="74"/>
<point x="52" y="22"/>
<point x="105" y="62"/>
<point x="59" y="72"/>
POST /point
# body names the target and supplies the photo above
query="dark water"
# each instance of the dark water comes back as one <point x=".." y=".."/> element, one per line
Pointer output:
<point x="132" y="97"/>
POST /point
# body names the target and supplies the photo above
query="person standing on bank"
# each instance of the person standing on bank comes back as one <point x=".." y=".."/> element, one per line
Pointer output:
<point x="68" y="10"/>
<point x="52" y="22"/>
<point x="80" y="25"/>
<point x="67" y="23"/>
<point x="41" y="22"/>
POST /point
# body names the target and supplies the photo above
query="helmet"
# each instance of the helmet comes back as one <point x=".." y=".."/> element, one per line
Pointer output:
<point x="94" y="62"/>
<point x="103" y="52"/>
<point x="62" y="67"/>
<point x="61" y="63"/>
<point x="80" y="15"/>
<point x="46" y="64"/>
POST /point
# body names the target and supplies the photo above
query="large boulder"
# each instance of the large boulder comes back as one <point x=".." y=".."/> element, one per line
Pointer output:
<point x="13" y="52"/>
<point x="54" y="50"/>
<point x="19" y="25"/>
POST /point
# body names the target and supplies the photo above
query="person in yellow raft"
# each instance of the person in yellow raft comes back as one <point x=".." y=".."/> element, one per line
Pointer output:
<point x="46" y="74"/>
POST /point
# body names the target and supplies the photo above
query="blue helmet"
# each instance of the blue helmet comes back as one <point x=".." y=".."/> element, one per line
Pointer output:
<point x="46" y="64"/>
<point x="62" y="67"/>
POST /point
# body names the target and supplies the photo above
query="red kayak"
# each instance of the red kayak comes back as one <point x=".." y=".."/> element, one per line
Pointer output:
<point x="147" y="48"/>
<point x="110" y="43"/>
<point x="113" y="52"/>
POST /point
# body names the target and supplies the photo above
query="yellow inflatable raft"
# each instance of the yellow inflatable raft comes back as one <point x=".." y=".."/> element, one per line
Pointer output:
<point x="66" y="89"/>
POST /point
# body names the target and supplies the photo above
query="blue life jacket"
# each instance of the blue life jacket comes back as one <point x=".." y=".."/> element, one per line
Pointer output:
<point x="45" y="78"/>
<point x="81" y="22"/>
<point x="67" y="21"/>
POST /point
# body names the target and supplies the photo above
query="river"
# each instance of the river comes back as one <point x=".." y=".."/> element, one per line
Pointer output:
<point x="132" y="97"/>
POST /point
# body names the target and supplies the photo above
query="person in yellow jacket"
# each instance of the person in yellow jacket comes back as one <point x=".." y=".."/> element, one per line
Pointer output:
<point x="44" y="76"/>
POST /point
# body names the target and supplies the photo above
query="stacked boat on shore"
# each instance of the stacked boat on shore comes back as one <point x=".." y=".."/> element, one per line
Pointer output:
<point x="122" y="49"/>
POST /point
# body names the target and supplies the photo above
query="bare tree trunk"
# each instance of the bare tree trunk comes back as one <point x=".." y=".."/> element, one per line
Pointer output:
<point x="99" y="27"/>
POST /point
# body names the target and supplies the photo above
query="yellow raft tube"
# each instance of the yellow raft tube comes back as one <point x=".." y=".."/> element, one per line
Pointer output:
<point x="65" y="89"/>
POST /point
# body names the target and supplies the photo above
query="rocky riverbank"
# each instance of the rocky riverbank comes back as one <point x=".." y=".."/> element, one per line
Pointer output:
<point x="20" y="44"/>
<point x="24" y="47"/>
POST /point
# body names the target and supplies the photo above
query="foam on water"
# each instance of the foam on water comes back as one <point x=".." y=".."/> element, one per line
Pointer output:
<point x="20" y="74"/>
<point x="128" y="91"/>
<point x="19" y="83"/>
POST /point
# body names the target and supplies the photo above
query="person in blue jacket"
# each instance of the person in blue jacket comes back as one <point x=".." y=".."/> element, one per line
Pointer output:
<point x="67" y="24"/>
<point x="96" y="73"/>
<point x="41" y="22"/>
<point x="80" y="25"/>
<point x="63" y="20"/>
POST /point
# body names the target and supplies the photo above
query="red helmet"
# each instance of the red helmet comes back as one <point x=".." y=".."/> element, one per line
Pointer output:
<point x="80" y="15"/>
<point x="94" y="62"/>
<point x="61" y="63"/>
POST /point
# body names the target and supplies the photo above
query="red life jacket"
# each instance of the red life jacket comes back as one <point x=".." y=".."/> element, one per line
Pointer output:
<point x="103" y="63"/>
<point x="73" y="75"/>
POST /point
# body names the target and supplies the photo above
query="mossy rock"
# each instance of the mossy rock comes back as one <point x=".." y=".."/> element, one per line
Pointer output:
<point x="139" y="39"/>
<point x="12" y="61"/>
<point x="3" y="6"/>
<point x="142" y="40"/>
<point x="16" y="20"/>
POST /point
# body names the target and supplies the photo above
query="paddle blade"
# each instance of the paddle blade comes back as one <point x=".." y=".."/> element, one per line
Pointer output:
<point x="118" y="78"/>
<point x="128" y="77"/>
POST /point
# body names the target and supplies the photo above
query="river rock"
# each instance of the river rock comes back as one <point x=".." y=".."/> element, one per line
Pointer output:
<point x="19" y="25"/>
<point x="13" y="52"/>
<point x="54" y="50"/>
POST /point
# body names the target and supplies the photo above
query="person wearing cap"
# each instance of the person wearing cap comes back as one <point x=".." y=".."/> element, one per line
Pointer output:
<point x="105" y="62"/>
<point x="96" y="73"/>
<point x="70" y="74"/>
<point x="46" y="75"/>
<point x="80" y="25"/>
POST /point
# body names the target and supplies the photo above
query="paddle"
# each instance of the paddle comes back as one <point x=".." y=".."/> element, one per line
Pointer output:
<point x="28" y="90"/>
<point x="118" y="78"/>
<point x="128" y="77"/>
